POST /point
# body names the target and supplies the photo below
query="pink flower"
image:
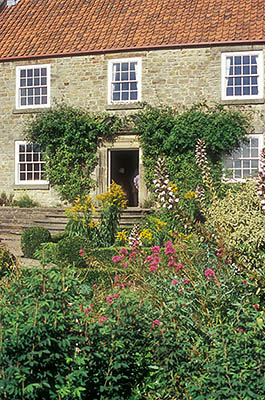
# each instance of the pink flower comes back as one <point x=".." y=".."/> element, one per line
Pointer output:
<point x="102" y="319"/>
<point x="155" y="249"/>
<point x="244" y="281"/>
<point x="116" y="259"/>
<point x="116" y="295"/>
<point x="86" y="310"/>
<point x="153" y="268"/>
<point x="155" y="322"/>
<point x="172" y="263"/>
<point x="219" y="254"/>
<point x="95" y="286"/>
<point x="256" y="306"/>
<point x="81" y="252"/>
<point x="123" y="251"/>
<point x="174" y="282"/>
<point x="109" y="299"/>
<point x="179" y="266"/>
<point x="240" y="330"/>
<point x="209" y="273"/>
<point x="125" y="264"/>
<point x="228" y="261"/>
<point x="170" y="250"/>
<point x="186" y="280"/>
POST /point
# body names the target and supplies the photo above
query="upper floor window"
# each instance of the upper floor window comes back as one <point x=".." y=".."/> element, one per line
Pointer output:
<point x="242" y="75"/>
<point x="33" y="86"/>
<point x="244" y="162"/>
<point x="29" y="164"/>
<point x="124" y="80"/>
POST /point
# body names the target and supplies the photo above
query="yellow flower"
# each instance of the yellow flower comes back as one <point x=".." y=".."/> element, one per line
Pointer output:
<point x="174" y="187"/>
<point x="121" y="236"/>
<point x="145" y="235"/>
<point x="190" y="195"/>
<point x="113" y="196"/>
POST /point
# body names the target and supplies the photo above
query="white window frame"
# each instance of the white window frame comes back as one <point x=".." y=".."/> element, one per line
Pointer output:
<point x="17" y="169"/>
<point x="138" y="79"/>
<point x="260" y="74"/>
<point x="260" y="147"/>
<point x="18" y="88"/>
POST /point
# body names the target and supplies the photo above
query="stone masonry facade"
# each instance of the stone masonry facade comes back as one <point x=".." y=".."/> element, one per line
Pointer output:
<point x="176" y="77"/>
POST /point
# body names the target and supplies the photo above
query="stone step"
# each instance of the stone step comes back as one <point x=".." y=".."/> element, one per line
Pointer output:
<point x="15" y="220"/>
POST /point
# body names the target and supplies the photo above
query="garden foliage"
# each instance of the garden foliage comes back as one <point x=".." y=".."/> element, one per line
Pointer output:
<point x="173" y="135"/>
<point x="70" y="137"/>
<point x="32" y="238"/>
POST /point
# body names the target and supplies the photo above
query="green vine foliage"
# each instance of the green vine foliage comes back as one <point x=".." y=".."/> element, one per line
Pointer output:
<point x="173" y="135"/>
<point x="70" y="137"/>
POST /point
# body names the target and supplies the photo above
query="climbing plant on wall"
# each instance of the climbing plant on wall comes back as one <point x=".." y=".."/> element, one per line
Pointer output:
<point x="173" y="135"/>
<point x="70" y="137"/>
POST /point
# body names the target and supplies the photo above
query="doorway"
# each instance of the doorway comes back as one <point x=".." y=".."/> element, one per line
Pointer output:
<point x="123" y="168"/>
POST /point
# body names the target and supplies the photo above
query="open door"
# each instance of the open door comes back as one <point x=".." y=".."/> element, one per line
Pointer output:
<point x="124" y="169"/>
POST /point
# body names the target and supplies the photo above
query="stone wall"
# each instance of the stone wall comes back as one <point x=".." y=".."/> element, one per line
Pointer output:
<point x="177" y="77"/>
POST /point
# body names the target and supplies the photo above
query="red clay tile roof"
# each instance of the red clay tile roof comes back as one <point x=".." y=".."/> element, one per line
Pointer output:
<point x="34" y="28"/>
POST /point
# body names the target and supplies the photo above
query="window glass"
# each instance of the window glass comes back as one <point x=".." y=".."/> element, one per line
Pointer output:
<point x="32" y="82"/>
<point x="124" y="86"/>
<point x="242" y="75"/>
<point x="29" y="163"/>
<point x="244" y="162"/>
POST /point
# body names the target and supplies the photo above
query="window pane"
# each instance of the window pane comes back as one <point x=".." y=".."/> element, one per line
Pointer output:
<point x="125" y="96"/>
<point x="125" y="66"/>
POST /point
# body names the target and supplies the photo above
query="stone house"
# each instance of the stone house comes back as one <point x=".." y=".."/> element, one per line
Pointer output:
<point x="110" y="55"/>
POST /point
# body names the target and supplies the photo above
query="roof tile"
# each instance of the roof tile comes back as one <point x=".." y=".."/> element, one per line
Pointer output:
<point x="33" y="28"/>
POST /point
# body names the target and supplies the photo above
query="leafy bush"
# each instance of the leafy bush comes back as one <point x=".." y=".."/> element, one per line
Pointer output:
<point x="32" y="238"/>
<point x="70" y="137"/>
<point x="25" y="201"/>
<point x="177" y="321"/>
<point x="172" y="135"/>
<point x="68" y="251"/>
<point x="8" y="262"/>
<point x="237" y="220"/>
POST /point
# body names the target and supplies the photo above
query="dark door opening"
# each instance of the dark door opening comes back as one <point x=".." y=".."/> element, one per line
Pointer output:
<point x="123" y="168"/>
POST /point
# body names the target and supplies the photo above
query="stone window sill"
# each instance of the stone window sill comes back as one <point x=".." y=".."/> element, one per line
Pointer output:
<point x="243" y="101"/>
<point x="124" y="106"/>
<point x="30" y="110"/>
<point x="32" y="187"/>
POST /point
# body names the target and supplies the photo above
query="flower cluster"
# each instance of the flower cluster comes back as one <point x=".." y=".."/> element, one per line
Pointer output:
<point x="82" y="206"/>
<point x="260" y="186"/>
<point x="154" y="259"/>
<point x="134" y="235"/>
<point x="114" y="196"/>
<point x="121" y="237"/>
<point x="164" y="191"/>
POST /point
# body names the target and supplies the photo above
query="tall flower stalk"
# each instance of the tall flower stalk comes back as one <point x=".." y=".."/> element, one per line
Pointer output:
<point x="165" y="192"/>
<point x="260" y="186"/>
<point x="202" y="162"/>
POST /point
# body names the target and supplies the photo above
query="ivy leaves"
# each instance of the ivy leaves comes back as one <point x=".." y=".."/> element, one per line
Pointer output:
<point x="71" y="137"/>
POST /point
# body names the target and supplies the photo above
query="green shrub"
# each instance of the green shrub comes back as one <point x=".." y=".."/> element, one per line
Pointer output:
<point x="59" y="236"/>
<point x="7" y="262"/>
<point x="237" y="220"/>
<point x="194" y="330"/>
<point x="25" y="202"/>
<point x="32" y="238"/>
<point x="68" y="251"/>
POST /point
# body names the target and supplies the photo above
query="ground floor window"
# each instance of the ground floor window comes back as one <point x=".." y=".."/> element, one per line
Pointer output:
<point x="30" y="164"/>
<point x="244" y="162"/>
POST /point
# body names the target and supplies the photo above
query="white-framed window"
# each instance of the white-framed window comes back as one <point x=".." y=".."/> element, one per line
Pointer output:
<point x="29" y="164"/>
<point x="33" y="86"/>
<point x="244" y="162"/>
<point x="242" y="75"/>
<point x="124" y="80"/>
